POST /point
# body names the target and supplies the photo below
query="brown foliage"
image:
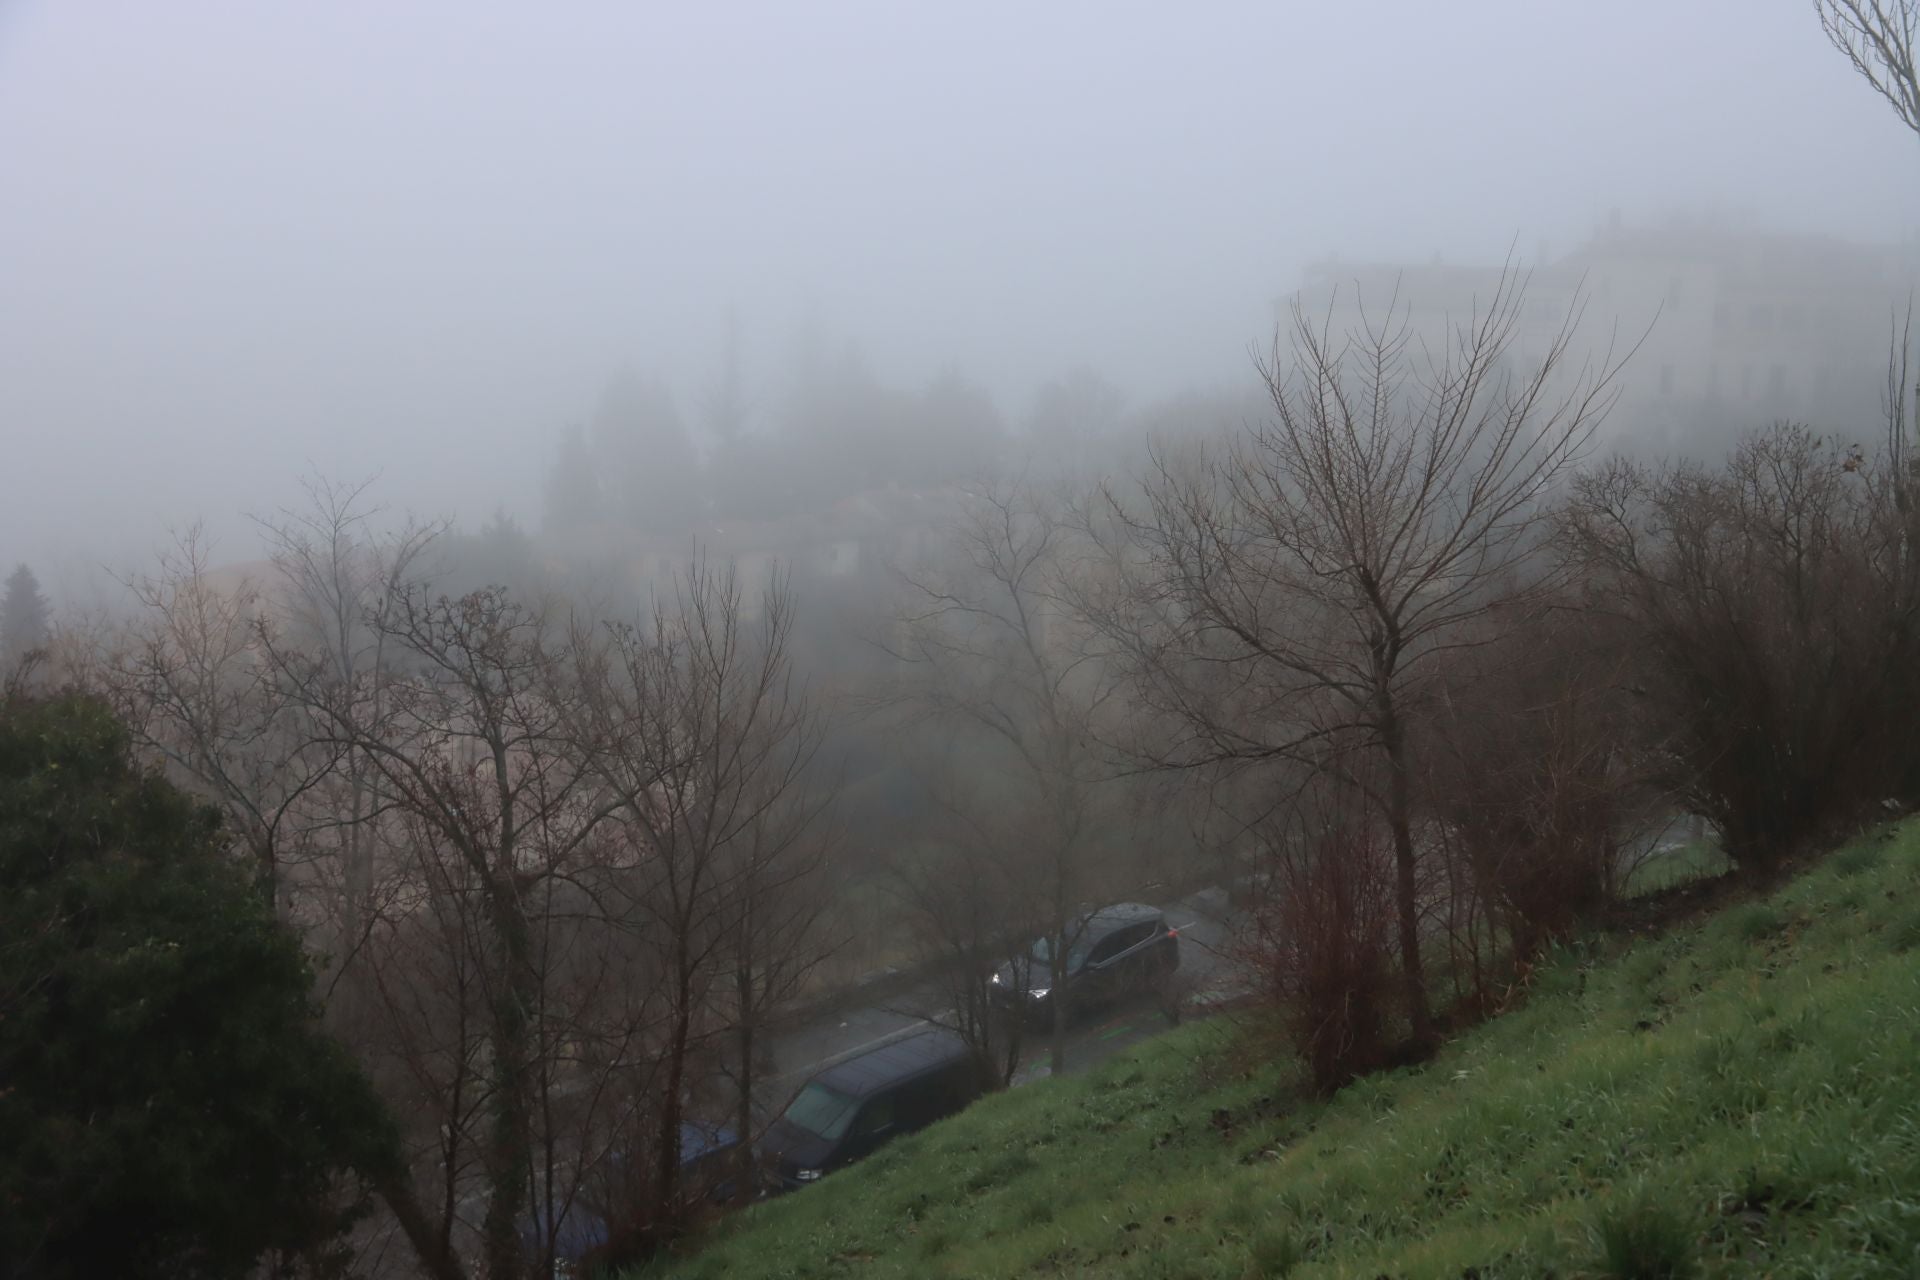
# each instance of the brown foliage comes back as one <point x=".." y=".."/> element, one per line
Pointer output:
<point x="1770" y="608"/>
<point x="1323" y="943"/>
<point x="1535" y="777"/>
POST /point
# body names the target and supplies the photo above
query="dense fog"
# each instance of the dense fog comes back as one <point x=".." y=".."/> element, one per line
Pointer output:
<point x="607" y="606"/>
<point x="245" y="243"/>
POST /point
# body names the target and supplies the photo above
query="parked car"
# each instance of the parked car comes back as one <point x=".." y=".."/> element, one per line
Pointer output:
<point x="1113" y="953"/>
<point x="853" y="1107"/>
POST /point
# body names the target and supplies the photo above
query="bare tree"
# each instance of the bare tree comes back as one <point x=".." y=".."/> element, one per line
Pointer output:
<point x="992" y="651"/>
<point x="1283" y="597"/>
<point x="340" y="578"/>
<point x="774" y="914"/>
<point x="1773" y="618"/>
<point x="191" y="679"/>
<point x="567" y="858"/>
<point x="963" y="895"/>
<point x="1877" y="37"/>
<point x="1321" y="941"/>
<point x="1538" y="768"/>
<point x="473" y="745"/>
<point x="707" y="742"/>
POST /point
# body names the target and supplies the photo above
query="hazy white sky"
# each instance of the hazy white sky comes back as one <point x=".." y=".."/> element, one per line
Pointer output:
<point x="417" y="237"/>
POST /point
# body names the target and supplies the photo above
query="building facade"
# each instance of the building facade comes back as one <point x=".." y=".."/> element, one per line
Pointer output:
<point x="1728" y="329"/>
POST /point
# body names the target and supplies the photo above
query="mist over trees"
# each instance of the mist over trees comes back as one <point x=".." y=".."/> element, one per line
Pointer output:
<point x="832" y="677"/>
<point x="577" y="818"/>
<point x="26" y="618"/>
<point x="408" y="878"/>
<point x="1290" y="589"/>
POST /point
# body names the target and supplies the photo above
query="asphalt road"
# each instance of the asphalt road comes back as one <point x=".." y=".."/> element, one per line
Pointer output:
<point x="1205" y="924"/>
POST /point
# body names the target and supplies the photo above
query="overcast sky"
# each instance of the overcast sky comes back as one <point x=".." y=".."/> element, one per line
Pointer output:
<point x="417" y="237"/>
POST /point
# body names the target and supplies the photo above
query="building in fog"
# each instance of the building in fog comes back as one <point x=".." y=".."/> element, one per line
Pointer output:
<point x="1740" y="327"/>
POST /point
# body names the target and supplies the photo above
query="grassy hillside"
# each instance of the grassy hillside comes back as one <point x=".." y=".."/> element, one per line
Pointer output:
<point x="1740" y="1098"/>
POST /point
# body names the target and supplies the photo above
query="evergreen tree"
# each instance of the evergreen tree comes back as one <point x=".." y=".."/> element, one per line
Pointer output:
<point x="574" y="486"/>
<point x="25" y="617"/>
<point x="168" y="1103"/>
<point x="645" y="458"/>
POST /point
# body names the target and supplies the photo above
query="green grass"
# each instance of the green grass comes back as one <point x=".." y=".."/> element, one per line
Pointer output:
<point x="1693" y="861"/>
<point x="1741" y="1098"/>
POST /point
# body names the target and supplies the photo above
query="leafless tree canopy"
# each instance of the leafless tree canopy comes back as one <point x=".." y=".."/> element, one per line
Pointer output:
<point x="1287" y="592"/>
<point x="1537" y="772"/>
<point x="993" y="649"/>
<point x="707" y="744"/>
<point x="562" y="872"/>
<point x="1771" y="607"/>
<point x="1877" y="37"/>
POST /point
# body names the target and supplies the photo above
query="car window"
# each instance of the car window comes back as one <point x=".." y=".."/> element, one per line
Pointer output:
<point x="1126" y="939"/>
<point x="821" y="1111"/>
<point x="1042" y="956"/>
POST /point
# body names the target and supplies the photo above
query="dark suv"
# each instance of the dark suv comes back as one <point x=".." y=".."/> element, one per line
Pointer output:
<point x="856" y="1105"/>
<point x="1112" y="953"/>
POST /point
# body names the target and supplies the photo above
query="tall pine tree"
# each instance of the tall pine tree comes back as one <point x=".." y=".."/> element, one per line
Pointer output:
<point x="25" y="617"/>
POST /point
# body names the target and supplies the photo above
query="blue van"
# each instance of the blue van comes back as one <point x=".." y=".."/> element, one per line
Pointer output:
<point x="854" y="1107"/>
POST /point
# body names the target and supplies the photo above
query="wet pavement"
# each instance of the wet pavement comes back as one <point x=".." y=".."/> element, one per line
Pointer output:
<point x="1205" y="923"/>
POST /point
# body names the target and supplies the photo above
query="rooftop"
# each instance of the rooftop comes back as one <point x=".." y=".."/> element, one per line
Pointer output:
<point x="922" y="1051"/>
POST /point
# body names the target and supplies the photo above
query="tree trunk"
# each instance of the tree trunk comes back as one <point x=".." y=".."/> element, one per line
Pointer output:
<point x="358" y="872"/>
<point x="429" y="1246"/>
<point x="1406" y="883"/>
<point x="510" y="1156"/>
<point x="270" y="880"/>
<point x="1057" y="1036"/>
<point x="743" y="1109"/>
<point x="666" y="1167"/>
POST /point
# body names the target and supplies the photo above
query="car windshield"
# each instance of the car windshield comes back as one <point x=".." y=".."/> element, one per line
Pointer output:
<point x="1042" y="957"/>
<point x="822" y="1112"/>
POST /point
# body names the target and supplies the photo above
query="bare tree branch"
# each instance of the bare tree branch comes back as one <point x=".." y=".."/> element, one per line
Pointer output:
<point x="1877" y="37"/>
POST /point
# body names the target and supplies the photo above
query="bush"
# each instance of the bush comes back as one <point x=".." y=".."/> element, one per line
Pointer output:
<point x="1770" y="602"/>
<point x="1533" y="774"/>
<point x="1323" y="942"/>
